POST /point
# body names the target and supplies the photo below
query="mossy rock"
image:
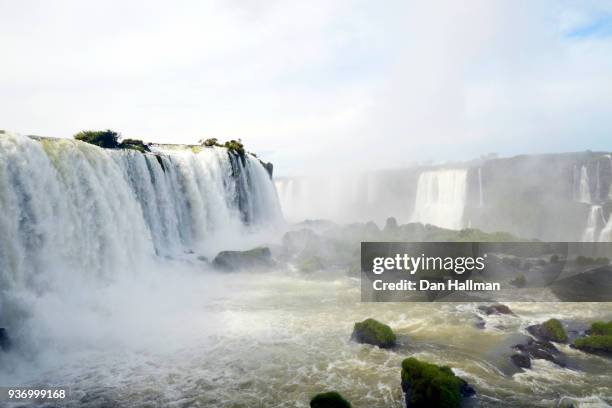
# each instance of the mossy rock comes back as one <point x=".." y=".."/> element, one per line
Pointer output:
<point x="329" y="400"/>
<point x="373" y="332"/>
<point x="595" y="344"/>
<point x="550" y="330"/>
<point x="428" y="385"/>
<point x="601" y="328"/>
<point x="256" y="258"/>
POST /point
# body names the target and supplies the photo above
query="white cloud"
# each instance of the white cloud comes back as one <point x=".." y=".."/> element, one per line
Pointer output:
<point x="312" y="84"/>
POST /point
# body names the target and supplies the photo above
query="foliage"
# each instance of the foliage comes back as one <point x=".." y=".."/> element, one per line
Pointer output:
<point x="430" y="385"/>
<point x="373" y="332"/>
<point x="103" y="138"/>
<point x="134" y="144"/>
<point x="329" y="400"/>
<point x="210" y="142"/>
<point x="235" y="146"/>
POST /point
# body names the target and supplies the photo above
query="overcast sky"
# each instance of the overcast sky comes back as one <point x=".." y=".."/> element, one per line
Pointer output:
<point x="315" y="84"/>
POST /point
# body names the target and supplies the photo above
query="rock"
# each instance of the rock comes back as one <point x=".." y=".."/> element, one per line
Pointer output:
<point x="202" y="258"/>
<point x="542" y="350"/>
<point x="480" y="323"/>
<point x="496" y="309"/>
<point x="550" y="330"/>
<point x="599" y="340"/>
<point x="5" y="343"/>
<point x="297" y="241"/>
<point x="567" y="402"/>
<point x="329" y="400"/>
<point x="594" y="344"/>
<point x="373" y="332"/>
<point x="429" y="385"/>
<point x="521" y="360"/>
<point x="256" y="258"/>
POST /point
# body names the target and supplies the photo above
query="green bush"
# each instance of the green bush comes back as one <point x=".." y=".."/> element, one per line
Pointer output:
<point x="103" y="138"/>
<point x="373" y="332"/>
<point x="235" y="146"/>
<point x="329" y="400"/>
<point x="134" y="144"/>
<point x="210" y="142"/>
<point x="430" y="385"/>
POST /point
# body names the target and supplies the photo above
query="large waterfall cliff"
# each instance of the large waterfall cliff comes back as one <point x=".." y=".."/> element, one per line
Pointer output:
<point x="565" y="197"/>
<point x="70" y="206"/>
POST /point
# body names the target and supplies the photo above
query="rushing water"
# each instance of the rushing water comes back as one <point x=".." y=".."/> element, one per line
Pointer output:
<point x="102" y="290"/>
<point x="274" y="339"/>
<point x="440" y="198"/>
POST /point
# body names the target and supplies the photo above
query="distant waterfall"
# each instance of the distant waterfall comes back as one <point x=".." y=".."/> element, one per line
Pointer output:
<point x="582" y="191"/>
<point x="70" y="206"/>
<point x="440" y="198"/>
<point x="480" y="193"/>
<point x="595" y="223"/>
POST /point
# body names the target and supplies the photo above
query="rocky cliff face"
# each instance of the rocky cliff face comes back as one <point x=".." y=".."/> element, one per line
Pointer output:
<point x="565" y="197"/>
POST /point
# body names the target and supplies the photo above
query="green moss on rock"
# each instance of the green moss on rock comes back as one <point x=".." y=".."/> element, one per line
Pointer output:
<point x="602" y="328"/>
<point x="595" y="344"/>
<point x="329" y="400"/>
<point x="428" y="385"/>
<point x="550" y="330"/>
<point x="555" y="330"/>
<point x="373" y="332"/>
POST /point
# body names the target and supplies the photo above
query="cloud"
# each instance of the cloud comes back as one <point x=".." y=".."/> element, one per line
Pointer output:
<point x="314" y="85"/>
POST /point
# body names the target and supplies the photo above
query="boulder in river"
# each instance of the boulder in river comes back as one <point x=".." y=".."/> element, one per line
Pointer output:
<point x="521" y="360"/>
<point x="329" y="400"/>
<point x="429" y="385"/>
<point x="373" y="332"/>
<point x="599" y="340"/>
<point x="550" y="330"/>
<point x="256" y="258"/>
<point x="542" y="350"/>
<point x="495" y="309"/>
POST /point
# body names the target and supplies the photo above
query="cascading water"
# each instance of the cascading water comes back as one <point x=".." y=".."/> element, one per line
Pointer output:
<point x="440" y="198"/>
<point x="595" y="223"/>
<point x="582" y="191"/>
<point x="68" y="206"/>
<point x="480" y="192"/>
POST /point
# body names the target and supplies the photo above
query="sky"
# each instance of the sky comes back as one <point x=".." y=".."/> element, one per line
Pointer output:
<point x="315" y="86"/>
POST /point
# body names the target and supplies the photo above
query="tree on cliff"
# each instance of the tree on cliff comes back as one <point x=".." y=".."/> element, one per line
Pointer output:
<point x="103" y="138"/>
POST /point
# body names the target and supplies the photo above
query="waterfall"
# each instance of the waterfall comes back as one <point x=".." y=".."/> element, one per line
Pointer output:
<point x="595" y="222"/>
<point x="480" y="193"/>
<point x="71" y="207"/>
<point x="440" y="198"/>
<point x="581" y="180"/>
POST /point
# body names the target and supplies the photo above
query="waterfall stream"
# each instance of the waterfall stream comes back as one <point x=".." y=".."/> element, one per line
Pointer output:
<point x="440" y="198"/>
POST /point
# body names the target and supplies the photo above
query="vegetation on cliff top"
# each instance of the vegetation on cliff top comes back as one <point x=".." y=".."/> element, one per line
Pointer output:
<point x="109" y="139"/>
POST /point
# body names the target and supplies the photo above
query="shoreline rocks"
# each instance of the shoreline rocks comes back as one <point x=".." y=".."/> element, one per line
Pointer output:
<point x="497" y="309"/>
<point x="373" y="332"/>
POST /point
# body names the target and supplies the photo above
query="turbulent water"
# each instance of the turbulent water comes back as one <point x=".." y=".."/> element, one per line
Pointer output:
<point x="440" y="198"/>
<point x="102" y="291"/>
